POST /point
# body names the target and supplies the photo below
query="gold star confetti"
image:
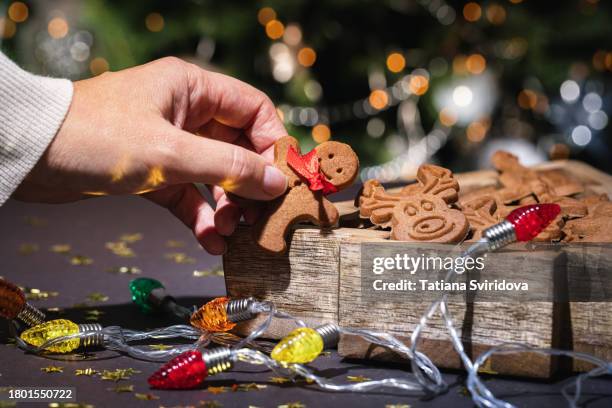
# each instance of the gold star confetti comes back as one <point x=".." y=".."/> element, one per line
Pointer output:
<point x="35" y="221"/>
<point x="292" y="405"/>
<point x="61" y="248"/>
<point x="173" y="243"/>
<point x="96" y="297"/>
<point x="86" y="371"/>
<point x="325" y="354"/>
<point x="131" y="238"/>
<point x="94" y="312"/>
<point x="125" y="270"/>
<point x="279" y="380"/>
<point x="179" y="258"/>
<point x="120" y="248"/>
<point x="55" y="310"/>
<point x="37" y="294"/>
<point x="160" y="347"/>
<point x="122" y="388"/>
<point x="248" y="387"/>
<point x="397" y="406"/>
<point x="80" y="260"/>
<point x="28" y="249"/>
<point x="463" y="391"/>
<point x="146" y="397"/>
<point x="217" y="271"/>
<point x="69" y="405"/>
<point x="357" y="378"/>
<point x="118" y="374"/>
<point x="52" y="369"/>
<point x="216" y="390"/>
<point x="7" y="404"/>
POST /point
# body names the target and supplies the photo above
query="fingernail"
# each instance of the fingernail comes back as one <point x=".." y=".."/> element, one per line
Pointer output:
<point x="274" y="181"/>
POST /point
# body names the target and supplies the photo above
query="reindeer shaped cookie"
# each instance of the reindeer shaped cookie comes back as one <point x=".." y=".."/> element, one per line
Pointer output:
<point x="420" y="211"/>
<point x="330" y="167"/>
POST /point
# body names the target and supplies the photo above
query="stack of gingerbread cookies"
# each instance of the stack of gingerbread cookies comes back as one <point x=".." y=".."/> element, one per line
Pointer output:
<point x="433" y="211"/>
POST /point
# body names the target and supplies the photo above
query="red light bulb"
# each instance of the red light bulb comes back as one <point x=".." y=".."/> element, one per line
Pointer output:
<point x="187" y="370"/>
<point x="530" y="220"/>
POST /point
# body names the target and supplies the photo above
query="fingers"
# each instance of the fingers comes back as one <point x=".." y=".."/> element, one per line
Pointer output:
<point x="188" y="205"/>
<point x="227" y="213"/>
<point x="234" y="168"/>
<point x="234" y="104"/>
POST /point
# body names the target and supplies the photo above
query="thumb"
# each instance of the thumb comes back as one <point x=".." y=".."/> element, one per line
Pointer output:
<point x="234" y="168"/>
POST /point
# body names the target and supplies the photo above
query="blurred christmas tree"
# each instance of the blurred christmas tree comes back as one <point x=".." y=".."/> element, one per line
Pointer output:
<point x="402" y="81"/>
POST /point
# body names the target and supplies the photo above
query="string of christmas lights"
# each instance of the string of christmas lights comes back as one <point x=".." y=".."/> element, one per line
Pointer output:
<point x="190" y="366"/>
<point x="63" y="336"/>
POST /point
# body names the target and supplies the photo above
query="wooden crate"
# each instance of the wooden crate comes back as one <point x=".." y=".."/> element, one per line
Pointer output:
<point x="319" y="280"/>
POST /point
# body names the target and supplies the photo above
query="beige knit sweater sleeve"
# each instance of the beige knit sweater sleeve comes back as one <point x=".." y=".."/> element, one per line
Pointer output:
<point x="32" y="109"/>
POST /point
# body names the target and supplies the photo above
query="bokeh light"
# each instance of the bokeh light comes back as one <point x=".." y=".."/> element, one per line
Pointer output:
<point x="7" y="28"/>
<point x="496" y="14"/>
<point x="375" y="127"/>
<point x="154" y="22"/>
<point x="570" y="91"/>
<point x="321" y="133"/>
<point x="462" y="96"/>
<point x="447" y="117"/>
<point x="475" y="64"/>
<point x="419" y="84"/>
<point x="18" y="12"/>
<point x="378" y="99"/>
<point x="472" y="11"/>
<point x="57" y="28"/>
<point x="265" y="15"/>
<point x="396" y="62"/>
<point x="581" y="135"/>
<point x="275" y="29"/>
<point x="98" y="66"/>
<point x="476" y="131"/>
<point x="292" y="35"/>
<point x="306" y="57"/>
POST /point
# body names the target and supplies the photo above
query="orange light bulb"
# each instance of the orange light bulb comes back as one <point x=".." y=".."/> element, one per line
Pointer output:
<point x="212" y="316"/>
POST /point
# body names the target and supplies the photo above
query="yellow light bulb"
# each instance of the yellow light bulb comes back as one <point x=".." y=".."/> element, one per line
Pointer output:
<point x="213" y="316"/>
<point x="52" y="329"/>
<point x="302" y="345"/>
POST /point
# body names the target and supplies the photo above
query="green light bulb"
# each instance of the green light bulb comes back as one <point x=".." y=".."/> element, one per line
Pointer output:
<point x="141" y="289"/>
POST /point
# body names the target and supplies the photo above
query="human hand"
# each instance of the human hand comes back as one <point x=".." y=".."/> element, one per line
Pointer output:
<point x="154" y="130"/>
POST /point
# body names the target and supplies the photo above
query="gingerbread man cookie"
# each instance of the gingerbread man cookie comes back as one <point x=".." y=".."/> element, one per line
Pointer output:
<point x="330" y="167"/>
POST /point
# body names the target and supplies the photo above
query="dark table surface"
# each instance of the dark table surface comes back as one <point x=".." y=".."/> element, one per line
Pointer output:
<point x="28" y="232"/>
